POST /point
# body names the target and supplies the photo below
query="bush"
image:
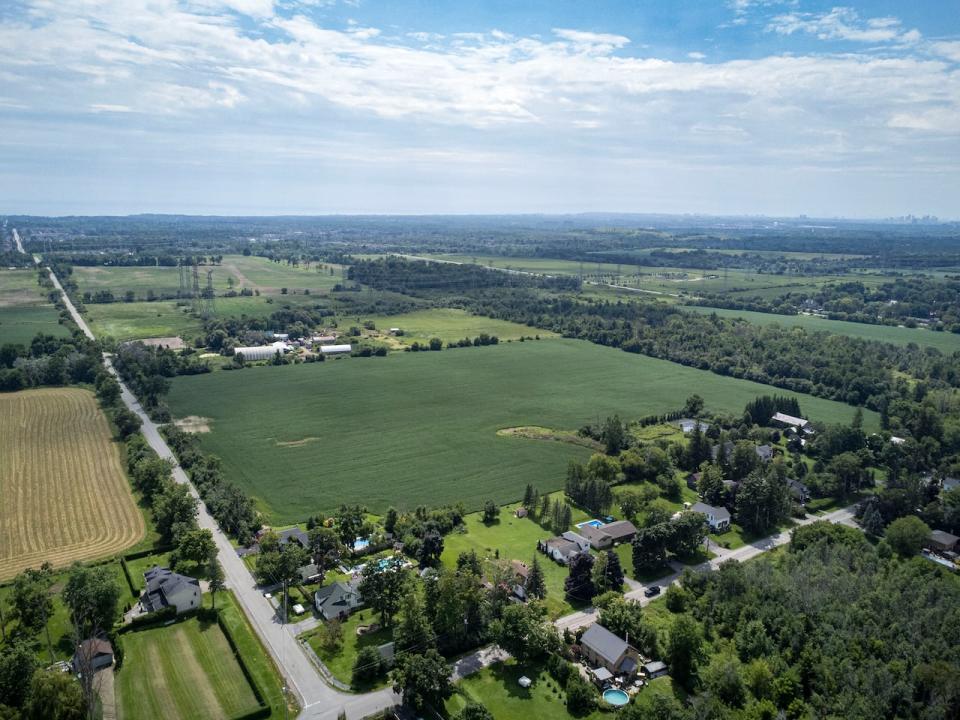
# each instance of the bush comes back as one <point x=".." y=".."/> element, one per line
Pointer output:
<point x="367" y="667"/>
<point x="581" y="698"/>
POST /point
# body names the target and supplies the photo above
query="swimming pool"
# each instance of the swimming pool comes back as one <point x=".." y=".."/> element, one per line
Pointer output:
<point x="592" y="523"/>
<point x="615" y="697"/>
<point x="360" y="543"/>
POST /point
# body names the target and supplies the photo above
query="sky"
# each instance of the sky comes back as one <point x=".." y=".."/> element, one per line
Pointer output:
<point x="764" y="107"/>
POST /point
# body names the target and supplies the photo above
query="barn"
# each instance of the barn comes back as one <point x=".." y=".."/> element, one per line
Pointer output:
<point x="261" y="352"/>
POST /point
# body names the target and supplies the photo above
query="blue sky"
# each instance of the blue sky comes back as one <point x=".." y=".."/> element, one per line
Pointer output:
<point x="778" y="107"/>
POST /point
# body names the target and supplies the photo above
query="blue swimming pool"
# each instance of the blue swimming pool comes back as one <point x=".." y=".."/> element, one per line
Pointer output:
<point x="615" y="697"/>
<point x="592" y="523"/>
<point x="360" y="543"/>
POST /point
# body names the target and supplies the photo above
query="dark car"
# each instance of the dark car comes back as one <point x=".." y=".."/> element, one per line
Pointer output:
<point x="652" y="590"/>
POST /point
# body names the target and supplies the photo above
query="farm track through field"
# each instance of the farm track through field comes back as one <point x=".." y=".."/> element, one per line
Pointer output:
<point x="65" y="495"/>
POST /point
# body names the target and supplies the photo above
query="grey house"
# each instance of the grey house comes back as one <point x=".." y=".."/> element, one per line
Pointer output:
<point x="603" y="649"/>
<point x="337" y="600"/>
<point x="296" y="535"/>
<point x="166" y="588"/>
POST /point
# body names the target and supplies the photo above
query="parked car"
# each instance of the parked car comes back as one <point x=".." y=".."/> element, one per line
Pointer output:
<point x="652" y="591"/>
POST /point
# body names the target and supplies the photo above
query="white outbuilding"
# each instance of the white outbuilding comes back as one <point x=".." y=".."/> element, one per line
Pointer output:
<point x="335" y="349"/>
<point x="261" y="352"/>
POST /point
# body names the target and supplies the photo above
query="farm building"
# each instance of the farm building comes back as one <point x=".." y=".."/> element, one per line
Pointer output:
<point x="321" y="339"/>
<point x="335" y="349"/>
<point x="261" y="352"/>
<point x="789" y="420"/>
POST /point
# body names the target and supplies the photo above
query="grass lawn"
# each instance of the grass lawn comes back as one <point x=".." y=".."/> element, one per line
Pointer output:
<point x="946" y="342"/>
<point x="340" y="662"/>
<point x="255" y="273"/>
<point x="257" y="659"/>
<point x="496" y="688"/>
<point x="184" y="670"/>
<point x="165" y="318"/>
<point x="515" y="539"/>
<point x="421" y="428"/>
<point x="24" y="310"/>
<point x="448" y="324"/>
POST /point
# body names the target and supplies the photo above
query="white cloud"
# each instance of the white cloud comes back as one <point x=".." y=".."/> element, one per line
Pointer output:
<point x="521" y="101"/>
<point x="591" y="39"/>
<point x="843" y="23"/>
<point x="949" y="49"/>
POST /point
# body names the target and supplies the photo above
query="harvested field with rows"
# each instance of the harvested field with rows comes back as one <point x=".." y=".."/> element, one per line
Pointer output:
<point x="65" y="495"/>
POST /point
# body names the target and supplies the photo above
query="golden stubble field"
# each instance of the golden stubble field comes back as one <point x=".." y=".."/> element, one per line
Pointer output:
<point x="63" y="492"/>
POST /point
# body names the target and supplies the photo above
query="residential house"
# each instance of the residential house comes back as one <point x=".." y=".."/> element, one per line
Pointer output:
<point x="295" y="534"/>
<point x="941" y="541"/>
<point x="687" y="425"/>
<point x="521" y="572"/>
<point x="597" y="536"/>
<point x="799" y="491"/>
<point x="765" y="453"/>
<point x="580" y="540"/>
<point x="717" y="517"/>
<point x="620" y="531"/>
<point x="337" y="600"/>
<point x="310" y="573"/>
<point x="93" y="654"/>
<point x="728" y="447"/>
<point x="693" y="480"/>
<point x="165" y="588"/>
<point x="601" y="648"/>
<point x="560" y="549"/>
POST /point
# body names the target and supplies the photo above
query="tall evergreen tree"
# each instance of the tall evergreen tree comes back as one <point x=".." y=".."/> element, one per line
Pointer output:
<point x="536" y="585"/>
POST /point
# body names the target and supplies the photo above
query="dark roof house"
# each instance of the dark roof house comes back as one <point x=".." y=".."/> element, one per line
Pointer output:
<point x="337" y="600"/>
<point x="765" y="453"/>
<point x="604" y="649"/>
<point x="942" y="541"/>
<point x="620" y="530"/>
<point x="558" y="548"/>
<point x="95" y="654"/>
<point x="294" y="534"/>
<point x="166" y="588"/>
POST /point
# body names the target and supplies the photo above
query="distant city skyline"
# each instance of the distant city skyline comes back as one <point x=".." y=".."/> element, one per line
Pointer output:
<point x="777" y="108"/>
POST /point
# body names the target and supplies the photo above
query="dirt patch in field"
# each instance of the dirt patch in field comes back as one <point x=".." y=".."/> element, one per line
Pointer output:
<point x="297" y="443"/>
<point x="535" y="432"/>
<point x="193" y="424"/>
<point x="174" y="343"/>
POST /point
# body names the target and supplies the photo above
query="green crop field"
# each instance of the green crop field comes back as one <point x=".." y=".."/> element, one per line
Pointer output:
<point x="945" y="342"/>
<point x="421" y="428"/>
<point x="24" y="310"/>
<point x="667" y="280"/>
<point x="448" y="324"/>
<point x="255" y="273"/>
<point x="185" y="671"/>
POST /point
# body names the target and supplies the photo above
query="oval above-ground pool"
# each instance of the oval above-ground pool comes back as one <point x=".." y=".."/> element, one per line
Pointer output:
<point x="616" y="697"/>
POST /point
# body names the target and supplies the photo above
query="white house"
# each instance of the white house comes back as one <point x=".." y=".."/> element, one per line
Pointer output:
<point x="717" y="517"/>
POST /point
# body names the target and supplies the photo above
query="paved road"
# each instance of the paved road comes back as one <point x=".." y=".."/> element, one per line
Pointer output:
<point x="16" y="239"/>
<point x="318" y="700"/>
<point x="587" y="617"/>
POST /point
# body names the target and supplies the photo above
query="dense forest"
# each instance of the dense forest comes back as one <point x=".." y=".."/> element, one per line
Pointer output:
<point x="832" y="366"/>
<point x="832" y="628"/>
